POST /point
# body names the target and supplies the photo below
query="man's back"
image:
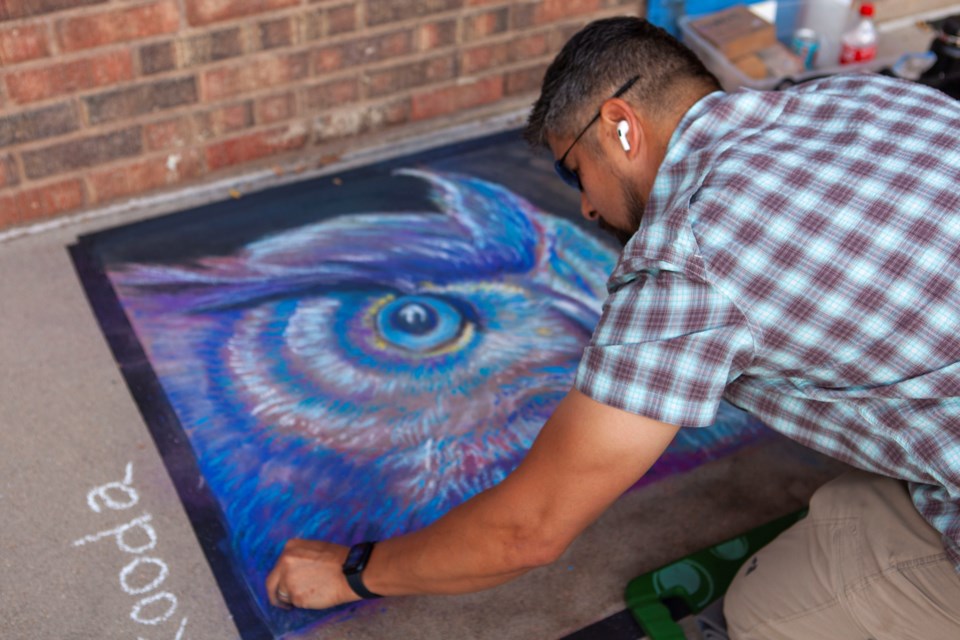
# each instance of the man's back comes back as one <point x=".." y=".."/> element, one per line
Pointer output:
<point x="813" y="237"/>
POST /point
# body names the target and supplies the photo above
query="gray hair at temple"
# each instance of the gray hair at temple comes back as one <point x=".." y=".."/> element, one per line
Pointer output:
<point x="600" y="58"/>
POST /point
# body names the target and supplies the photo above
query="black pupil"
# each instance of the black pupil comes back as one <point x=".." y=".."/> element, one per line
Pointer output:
<point x="413" y="318"/>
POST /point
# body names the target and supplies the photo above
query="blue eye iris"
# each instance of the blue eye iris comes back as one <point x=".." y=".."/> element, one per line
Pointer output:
<point x="414" y="318"/>
<point x="419" y="323"/>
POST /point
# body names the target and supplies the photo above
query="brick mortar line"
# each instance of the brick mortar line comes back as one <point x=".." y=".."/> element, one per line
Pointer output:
<point x="87" y="177"/>
<point x="255" y="18"/>
<point x="79" y="96"/>
<point x="21" y="173"/>
<point x="182" y="10"/>
<point x="518" y="64"/>
<point x="305" y="10"/>
<point x="52" y="39"/>
<point x="543" y="29"/>
<point x="64" y="58"/>
<point x="361" y="15"/>
<point x="471" y="12"/>
<point x="458" y="31"/>
<point x="74" y="56"/>
<point x="313" y="47"/>
<point x="366" y="31"/>
<point x="503" y="70"/>
<point x="299" y="103"/>
<point x="83" y="114"/>
<point x="406" y="23"/>
<point x="448" y="82"/>
<point x="41" y="183"/>
<point x="69" y="12"/>
<point x="74" y="136"/>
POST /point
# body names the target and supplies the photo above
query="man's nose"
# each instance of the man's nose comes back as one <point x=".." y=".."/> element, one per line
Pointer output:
<point x="586" y="209"/>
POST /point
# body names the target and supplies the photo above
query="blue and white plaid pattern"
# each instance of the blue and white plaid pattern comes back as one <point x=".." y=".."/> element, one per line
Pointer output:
<point x="800" y="256"/>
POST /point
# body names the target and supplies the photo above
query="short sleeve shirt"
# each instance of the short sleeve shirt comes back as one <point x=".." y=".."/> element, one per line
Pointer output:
<point x="799" y="255"/>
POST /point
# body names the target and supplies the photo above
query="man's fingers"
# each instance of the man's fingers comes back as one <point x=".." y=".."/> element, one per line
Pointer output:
<point x="274" y="591"/>
<point x="283" y="598"/>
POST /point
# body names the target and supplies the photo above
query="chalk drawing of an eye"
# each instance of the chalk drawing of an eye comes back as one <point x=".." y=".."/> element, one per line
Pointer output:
<point x="421" y="324"/>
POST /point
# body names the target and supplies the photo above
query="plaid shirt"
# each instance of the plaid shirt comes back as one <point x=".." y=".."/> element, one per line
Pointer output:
<point x="800" y="256"/>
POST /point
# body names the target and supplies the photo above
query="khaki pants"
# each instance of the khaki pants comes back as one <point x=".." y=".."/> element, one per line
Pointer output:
<point x="862" y="565"/>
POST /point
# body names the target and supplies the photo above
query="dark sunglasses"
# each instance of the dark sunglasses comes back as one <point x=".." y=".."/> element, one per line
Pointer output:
<point x="571" y="177"/>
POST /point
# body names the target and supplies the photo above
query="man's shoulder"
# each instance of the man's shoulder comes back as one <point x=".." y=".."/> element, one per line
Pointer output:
<point x="873" y="88"/>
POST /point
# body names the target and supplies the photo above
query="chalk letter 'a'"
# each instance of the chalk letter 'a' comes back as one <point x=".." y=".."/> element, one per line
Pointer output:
<point x="127" y="500"/>
<point x="120" y="533"/>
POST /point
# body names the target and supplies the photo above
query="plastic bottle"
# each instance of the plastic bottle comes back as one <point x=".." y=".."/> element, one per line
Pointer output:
<point x="860" y="43"/>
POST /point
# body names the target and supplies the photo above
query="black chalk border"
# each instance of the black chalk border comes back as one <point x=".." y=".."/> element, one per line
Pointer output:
<point x="170" y="439"/>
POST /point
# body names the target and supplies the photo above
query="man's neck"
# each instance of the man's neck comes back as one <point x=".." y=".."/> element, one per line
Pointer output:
<point x="666" y="123"/>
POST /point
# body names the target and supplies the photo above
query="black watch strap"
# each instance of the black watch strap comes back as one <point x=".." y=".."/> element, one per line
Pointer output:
<point x="356" y="562"/>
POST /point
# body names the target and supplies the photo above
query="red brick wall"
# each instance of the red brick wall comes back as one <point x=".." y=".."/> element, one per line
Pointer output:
<point x="102" y="100"/>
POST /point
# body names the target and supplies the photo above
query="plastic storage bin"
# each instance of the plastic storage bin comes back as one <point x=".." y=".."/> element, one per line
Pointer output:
<point x="732" y="78"/>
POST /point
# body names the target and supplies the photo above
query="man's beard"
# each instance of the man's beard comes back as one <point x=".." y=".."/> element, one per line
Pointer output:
<point x="621" y="236"/>
<point x="635" y="207"/>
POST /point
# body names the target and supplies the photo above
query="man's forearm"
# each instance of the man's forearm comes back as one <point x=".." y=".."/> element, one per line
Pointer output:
<point x="480" y="544"/>
<point x="584" y="458"/>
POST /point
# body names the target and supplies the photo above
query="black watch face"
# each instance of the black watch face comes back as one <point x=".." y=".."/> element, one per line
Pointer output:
<point x="355" y="557"/>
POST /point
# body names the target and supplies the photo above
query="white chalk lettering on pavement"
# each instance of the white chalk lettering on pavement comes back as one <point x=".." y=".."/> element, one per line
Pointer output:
<point x="144" y="574"/>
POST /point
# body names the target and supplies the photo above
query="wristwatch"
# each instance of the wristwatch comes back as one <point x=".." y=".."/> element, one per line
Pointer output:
<point x="356" y="562"/>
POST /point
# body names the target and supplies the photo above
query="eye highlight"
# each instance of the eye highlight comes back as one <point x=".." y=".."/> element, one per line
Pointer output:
<point x="421" y="324"/>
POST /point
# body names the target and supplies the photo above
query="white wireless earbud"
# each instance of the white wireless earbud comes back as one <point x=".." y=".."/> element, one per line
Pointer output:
<point x="622" y="128"/>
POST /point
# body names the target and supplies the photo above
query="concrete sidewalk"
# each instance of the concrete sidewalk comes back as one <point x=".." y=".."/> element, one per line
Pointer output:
<point x="95" y="542"/>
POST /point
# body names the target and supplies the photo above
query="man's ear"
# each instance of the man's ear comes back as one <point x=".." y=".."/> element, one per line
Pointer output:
<point x="621" y="126"/>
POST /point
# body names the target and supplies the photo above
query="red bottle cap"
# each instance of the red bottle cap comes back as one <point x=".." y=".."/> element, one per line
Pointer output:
<point x="866" y="9"/>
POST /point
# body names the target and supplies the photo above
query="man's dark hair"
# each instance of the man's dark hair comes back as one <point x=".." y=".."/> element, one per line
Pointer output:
<point x="601" y="57"/>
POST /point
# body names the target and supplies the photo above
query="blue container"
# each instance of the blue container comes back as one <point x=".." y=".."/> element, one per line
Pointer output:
<point x="788" y="18"/>
<point x="666" y="13"/>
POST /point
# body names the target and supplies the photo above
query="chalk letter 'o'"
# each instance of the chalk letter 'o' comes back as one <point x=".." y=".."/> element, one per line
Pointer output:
<point x="132" y="566"/>
<point x="143" y="602"/>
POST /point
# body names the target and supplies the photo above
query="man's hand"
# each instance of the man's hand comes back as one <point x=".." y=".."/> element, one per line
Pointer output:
<point x="309" y="575"/>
